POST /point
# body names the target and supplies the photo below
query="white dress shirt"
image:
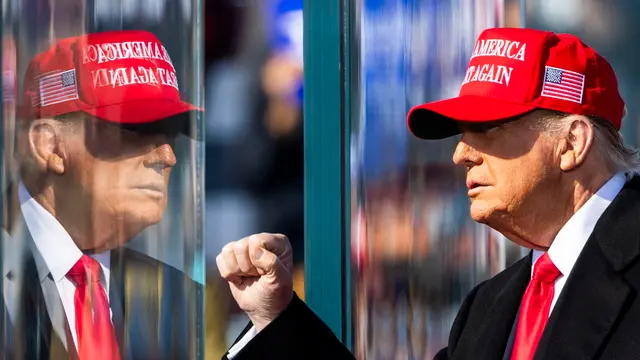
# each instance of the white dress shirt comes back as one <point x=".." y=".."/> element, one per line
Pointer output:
<point x="570" y="240"/>
<point x="235" y="349"/>
<point x="55" y="253"/>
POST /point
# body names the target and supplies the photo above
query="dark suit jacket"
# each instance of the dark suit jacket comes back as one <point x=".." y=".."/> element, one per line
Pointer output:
<point x="296" y="334"/>
<point x="152" y="321"/>
<point x="597" y="315"/>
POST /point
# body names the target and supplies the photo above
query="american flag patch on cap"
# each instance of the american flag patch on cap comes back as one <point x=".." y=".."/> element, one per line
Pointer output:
<point x="563" y="84"/>
<point x="56" y="88"/>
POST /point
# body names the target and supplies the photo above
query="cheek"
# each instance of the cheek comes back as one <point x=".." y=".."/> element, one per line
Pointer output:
<point x="519" y="178"/>
<point x="110" y="184"/>
<point x="133" y="207"/>
<point x="108" y="180"/>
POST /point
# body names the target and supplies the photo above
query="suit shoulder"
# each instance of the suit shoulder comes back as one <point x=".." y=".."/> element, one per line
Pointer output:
<point x="130" y="257"/>
<point x="483" y="294"/>
<point x="498" y="281"/>
<point x="134" y="260"/>
<point x="478" y="301"/>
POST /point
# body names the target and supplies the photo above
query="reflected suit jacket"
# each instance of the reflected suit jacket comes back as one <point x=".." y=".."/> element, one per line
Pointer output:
<point x="597" y="315"/>
<point x="150" y="313"/>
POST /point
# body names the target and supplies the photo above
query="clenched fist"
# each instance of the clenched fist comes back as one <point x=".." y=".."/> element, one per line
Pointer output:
<point x="259" y="271"/>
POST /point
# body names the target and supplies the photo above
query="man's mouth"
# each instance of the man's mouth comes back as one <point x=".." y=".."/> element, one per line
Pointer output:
<point x="151" y="187"/>
<point x="474" y="187"/>
<point x="473" y="184"/>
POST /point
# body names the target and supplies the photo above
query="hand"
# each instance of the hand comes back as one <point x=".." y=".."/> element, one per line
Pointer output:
<point x="259" y="271"/>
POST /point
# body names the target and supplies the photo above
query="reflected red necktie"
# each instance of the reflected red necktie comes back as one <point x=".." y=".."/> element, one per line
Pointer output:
<point x="96" y="337"/>
<point x="534" y="310"/>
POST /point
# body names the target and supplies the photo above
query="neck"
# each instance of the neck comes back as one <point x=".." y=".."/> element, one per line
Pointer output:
<point x="537" y="229"/>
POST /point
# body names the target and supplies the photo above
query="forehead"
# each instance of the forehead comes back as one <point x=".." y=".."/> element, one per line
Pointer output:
<point x="514" y="122"/>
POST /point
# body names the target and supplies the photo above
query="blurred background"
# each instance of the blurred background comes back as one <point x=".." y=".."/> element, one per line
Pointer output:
<point x="254" y="140"/>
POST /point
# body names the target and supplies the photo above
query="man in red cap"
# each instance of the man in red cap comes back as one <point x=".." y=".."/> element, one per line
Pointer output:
<point x="98" y="119"/>
<point x="539" y="115"/>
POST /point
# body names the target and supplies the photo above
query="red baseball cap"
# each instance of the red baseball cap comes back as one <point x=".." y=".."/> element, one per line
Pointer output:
<point x="124" y="77"/>
<point x="514" y="71"/>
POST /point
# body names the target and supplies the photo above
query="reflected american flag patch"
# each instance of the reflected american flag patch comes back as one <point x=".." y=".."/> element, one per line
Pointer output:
<point x="563" y="84"/>
<point x="56" y="88"/>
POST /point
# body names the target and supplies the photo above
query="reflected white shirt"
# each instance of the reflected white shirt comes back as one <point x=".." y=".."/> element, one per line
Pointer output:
<point x="55" y="254"/>
<point x="570" y="240"/>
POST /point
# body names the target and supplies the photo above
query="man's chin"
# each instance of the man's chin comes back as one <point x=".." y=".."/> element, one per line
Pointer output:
<point x="136" y="221"/>
<point x="480" y="212"/>
<point x="144" y="220"/>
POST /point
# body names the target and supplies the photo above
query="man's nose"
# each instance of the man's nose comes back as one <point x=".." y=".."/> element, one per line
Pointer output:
<point x="162" y="156"/>
<point x="466" y="155"/>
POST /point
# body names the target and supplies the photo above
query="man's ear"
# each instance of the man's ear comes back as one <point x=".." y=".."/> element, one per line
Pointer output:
<point x="576" y="143"/>
<point x="46" y="146"/>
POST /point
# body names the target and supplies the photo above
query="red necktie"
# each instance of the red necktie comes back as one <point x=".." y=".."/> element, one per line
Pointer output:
<point x="534" y="310"/>
<point x="96" y="337"/>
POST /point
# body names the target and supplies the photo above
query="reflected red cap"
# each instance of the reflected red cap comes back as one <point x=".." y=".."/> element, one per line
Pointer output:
<point x="515" y="71"/>
<point x="125" y="77"/>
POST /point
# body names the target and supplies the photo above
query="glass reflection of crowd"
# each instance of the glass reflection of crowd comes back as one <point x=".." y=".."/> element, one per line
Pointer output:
<point x="422" y="255"/>
<point x="254" y="144"/>
<point x="416" y="252"/>
<point x="414" y="249"/>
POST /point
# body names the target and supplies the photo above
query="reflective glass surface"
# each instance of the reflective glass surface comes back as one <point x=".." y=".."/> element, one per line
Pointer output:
<point x="102" y="181"/>
<point x="415" y="252"/>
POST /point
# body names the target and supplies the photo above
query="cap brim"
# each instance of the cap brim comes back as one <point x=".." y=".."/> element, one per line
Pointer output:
<point x="151" y="114"/>
<point x="440" y="119"/>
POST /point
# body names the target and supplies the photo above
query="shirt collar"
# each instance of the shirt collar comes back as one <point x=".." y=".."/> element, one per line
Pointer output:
<point x="570" y="240"/>
<point x="54" y="250"/>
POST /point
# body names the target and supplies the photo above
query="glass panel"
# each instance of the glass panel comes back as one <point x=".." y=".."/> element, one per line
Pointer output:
<point x="102" y="178"/>
<point x="416" y="253"/>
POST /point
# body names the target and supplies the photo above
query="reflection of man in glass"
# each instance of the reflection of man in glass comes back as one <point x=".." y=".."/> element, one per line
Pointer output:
<point x="98" y="120"/>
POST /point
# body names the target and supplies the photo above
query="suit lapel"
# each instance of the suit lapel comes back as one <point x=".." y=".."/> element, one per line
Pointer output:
<point x="32" y="323"/>
<point x="39" y="311"/>
<point x="590" y="302"/>
<point x="37" y="324"/>
<point x="494" y="332"/>
<point x="44" y="319"/>
<point x="55" y="309"/>
<point x="595" y="293"/>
